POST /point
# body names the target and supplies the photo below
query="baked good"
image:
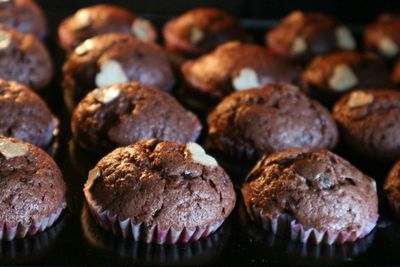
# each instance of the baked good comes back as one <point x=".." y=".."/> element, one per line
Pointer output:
<point x="122" y="114"/>
<point x="396" y="74"/>
<point x="392" y="189"/>
<point x="160" y="191"/>
<point x="200" y="30"/>
<point x="369" y="122"/>
<point x="32" y="189"/>
<point x="302" y="35"/>
<point x="315" y="196"/>
<point x="251" y="123"/>
<point x="25" y="116"/>
<point x="102" y="19"/>
<point x="330" y="76"/>
<point x="24" y="58"/>
<point x="114" y="58"/>
<point x="25" y="16"/>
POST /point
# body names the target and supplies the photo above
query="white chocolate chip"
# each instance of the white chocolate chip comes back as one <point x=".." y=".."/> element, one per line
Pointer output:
<point x="344" y="38"/>
<point x="359" y="98"/>
<point x="111" y="72"/>
<point x="198" y="155"/>
<point x="299" y="45"/>
<point x="343" y="78"/>
<point x="373" y="185"/>
<point x="246" y="79"/>
<point x="82" y="19"/>
<point x="93" y="175"/>
<point x="5" y="39"/>
<point x="11" y="150"/>
<point x="84" y="48"/>
<point x="196" y="35"/>
<point x="106" y="95"/>
<point x="141" y="28"/>
<point x="388" y="47"/>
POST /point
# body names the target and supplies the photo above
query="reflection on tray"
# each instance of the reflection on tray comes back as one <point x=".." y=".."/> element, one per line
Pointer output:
<point x="198" y="252"/>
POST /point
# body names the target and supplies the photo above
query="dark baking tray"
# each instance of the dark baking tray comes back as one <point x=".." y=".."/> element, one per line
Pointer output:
<point x="75" y="240"/>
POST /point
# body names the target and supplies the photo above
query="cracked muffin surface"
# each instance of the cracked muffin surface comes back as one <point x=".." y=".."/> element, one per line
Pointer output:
<point x="255" y="122"/>
<point x="317" y="188"/>
<point x="162" y="183"/>
<point x="370" y="122"/>
<point x="122" y="114"/>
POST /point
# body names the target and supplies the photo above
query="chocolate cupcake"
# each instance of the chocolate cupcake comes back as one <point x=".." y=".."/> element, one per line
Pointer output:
<point x="114" y="58"/>
<point x="383" y="36"/>
<point x="251" y="123"/>
<point x="369" y="123"/>
<point x="24" y="58"/>
<point x="25" y="116"/>
<point x="234" y="67"/>
<point x="32" y="189"/>
<point x="330" y="76"/>
<point x="123" y="114"/>
<point x="160" y="191"/>
<point x="392" y="189"/>
<point x="200" y="30"/>
<point x="25" y="16"/>
<point x="302" y="35"/>
<point x="314" y="196"/>
<point x="102" y="19"/>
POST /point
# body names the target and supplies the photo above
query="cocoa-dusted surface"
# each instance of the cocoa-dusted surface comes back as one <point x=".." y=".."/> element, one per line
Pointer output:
<point x="216" y="25"/>
<point x="371" y="130"/>
<point x="24" y="15"/>
<point x="141" y="61"/>
<point x="212" y="74"/>
<point x="255" y="122"/>
<point x="317" y="188"/>
<point x="24" y="115"/>
<point x="31" y="186"/>
<point x="317" y="29"/>
<point x="392" y="186"/>
<point x="139" y="112"/>
<point x="96" y="20"/>
<point x="154" y="183"/>
<point x="25" y="60"/>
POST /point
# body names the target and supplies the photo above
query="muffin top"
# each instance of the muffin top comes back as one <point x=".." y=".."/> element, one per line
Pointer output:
<point x="24" y="58"/>
<point x="236" y="66"/>
<point x="122" y="114"/>
<point x="339" y="72"/>
<point x="274" y="118"/>
<point x="200" y="30"/>
<point x="392" y="185"/>
<point x="24" y="115"/>
<point x="302" y="35"/>
<point x="24" y="15"/>
<point x="101" y="19"/>
<point x="317" y="188"/>
<point x="370" y="122"/>
<point x="383" y="36"/>
<point x="116" y="58"/>
<point x="31" y="185"/>
<point x="162" y="183"/>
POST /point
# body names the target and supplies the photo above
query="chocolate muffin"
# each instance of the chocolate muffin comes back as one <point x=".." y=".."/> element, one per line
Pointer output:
<point x="25" y="116"/>
<point x="392" y="189"/>
<point x="102" y="19"/>
<point x="200" y="30"/>
<point x="123" y="114"/>
<point x="302" y="35"/>
<point x="255" y="122"/>
<point x="396" y="74"/>
<point x="25" y="16"/>
<point x="330" y="76"/>
<point x="315" y="196"/>
<point x="114" y="58"/>
<point x="160" y="191"/>
<point x="32" y="189"/>
<point x="383" y="36"/>
<point x="24" y="58"/>
<point x="234" y="67"/>
<point x="370" y="123"/>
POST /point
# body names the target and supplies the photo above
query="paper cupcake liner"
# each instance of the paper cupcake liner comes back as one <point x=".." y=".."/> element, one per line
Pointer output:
<point x="149" y="234"/>
<point x="10" y="232"/>
<point x="284" y="223"/>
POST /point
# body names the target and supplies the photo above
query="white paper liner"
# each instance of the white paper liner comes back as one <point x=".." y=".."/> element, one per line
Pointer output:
<point x="9" y="232"/>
